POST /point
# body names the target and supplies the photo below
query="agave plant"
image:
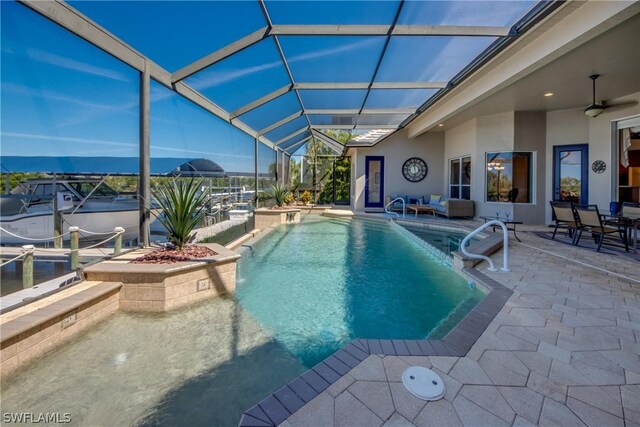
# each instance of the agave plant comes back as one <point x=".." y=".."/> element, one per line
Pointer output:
<point x="279" y="193"/>
<point x="182" y="207"/>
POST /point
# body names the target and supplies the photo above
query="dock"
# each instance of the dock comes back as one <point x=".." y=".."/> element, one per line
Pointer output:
<point x="51" y="254"/>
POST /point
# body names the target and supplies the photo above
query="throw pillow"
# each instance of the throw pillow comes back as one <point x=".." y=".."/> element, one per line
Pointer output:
<point x="443" y="203"/>
<point x="435" y="199"/>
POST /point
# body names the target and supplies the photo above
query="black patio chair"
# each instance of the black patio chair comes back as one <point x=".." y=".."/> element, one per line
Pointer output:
<point x="562" y="215"/>
<point x="588" y="219"/>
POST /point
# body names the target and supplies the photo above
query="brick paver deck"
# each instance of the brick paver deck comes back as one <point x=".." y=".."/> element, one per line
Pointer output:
<point x="564" y="350"/>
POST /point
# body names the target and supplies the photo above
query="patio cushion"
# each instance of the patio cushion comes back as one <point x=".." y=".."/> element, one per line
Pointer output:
<point x="435" y="199"/>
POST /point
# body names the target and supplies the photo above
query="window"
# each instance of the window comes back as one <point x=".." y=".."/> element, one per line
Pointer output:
<point x="509" y="177"/>
<point x="460" y="178"/>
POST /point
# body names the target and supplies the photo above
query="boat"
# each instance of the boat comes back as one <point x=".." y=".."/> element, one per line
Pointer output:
<point x="90" y="204"/>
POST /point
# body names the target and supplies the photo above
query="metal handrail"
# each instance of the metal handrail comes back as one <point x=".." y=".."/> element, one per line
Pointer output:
<point x="404" y="207"/>
<point x="505" y="244"/>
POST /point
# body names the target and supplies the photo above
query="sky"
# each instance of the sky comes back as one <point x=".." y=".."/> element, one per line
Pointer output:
<point x="61" y="96"/>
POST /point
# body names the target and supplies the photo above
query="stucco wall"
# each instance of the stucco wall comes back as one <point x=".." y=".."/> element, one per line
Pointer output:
<point x="530" y="135"/>
<point x="396" y="150"/>
<point x="573" y="127"/>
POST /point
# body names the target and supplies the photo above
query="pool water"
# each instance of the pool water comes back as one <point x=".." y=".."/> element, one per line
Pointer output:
<point x="322" y="283"/>
<point x="303" y="292"/>
<point x="444" y="241"/>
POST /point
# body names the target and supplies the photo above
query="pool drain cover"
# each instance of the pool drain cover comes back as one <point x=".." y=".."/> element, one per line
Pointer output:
<point x="423" y="383"/>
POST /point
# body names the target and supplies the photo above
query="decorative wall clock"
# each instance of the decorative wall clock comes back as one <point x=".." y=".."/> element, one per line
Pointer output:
<point x="599" y="166"/>
<point x="415" y="169"/>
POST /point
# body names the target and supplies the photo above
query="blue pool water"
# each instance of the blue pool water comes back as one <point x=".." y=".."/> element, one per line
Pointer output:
<point x="303" y="292"/>
<point x="320" y="284"/>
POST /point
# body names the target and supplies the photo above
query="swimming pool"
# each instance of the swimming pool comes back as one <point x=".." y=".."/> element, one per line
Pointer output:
<point x="303" y="292"/>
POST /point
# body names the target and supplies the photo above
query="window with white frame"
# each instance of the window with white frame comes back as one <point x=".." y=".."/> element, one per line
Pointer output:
<point x="510" y="177"/>
<point x="460" y="178"/>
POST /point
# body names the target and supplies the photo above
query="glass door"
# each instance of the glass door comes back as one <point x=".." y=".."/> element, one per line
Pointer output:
<point x="374" y="182"/>
<point x="570" y="173"/>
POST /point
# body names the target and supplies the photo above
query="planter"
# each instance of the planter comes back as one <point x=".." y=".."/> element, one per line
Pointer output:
<point x="161" y="287"/>
<point x="266" y="218"/>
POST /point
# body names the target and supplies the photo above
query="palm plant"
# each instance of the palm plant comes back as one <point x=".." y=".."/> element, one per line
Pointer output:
<point x="279" y="193"/>
<point x="182" y="207"/>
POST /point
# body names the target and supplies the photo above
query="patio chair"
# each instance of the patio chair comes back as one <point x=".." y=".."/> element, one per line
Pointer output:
<point x="562" y="214"/>
<point x="588" y="219"/>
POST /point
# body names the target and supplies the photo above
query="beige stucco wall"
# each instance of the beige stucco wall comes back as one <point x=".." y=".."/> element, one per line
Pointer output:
<point x="510" y="131"/>
<point x="530" y="135"/>
<point x="396" y="150"/>
<point x="573" y="127"/>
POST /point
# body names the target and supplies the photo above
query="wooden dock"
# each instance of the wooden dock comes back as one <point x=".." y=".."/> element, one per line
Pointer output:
<point x="8" y="252"/>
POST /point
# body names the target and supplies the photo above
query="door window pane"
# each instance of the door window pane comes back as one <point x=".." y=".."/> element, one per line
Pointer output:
<point x="466" y="192"/>
<point x="455" y="171"/>
<point x="460" y="178"/>
<point x="454" y="191"/>
<point x="570" y="175"/>
<point x="374" y="175"/>
<point x="509" y="177"/>
<point x="466" y="171"/>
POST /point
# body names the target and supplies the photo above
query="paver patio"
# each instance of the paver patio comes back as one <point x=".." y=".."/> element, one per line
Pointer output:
<point x="564" y="350"/>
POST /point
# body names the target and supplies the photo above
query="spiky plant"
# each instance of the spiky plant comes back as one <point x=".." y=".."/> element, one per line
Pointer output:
<point x="279" y="193"/>
<point x="182" y="207"/>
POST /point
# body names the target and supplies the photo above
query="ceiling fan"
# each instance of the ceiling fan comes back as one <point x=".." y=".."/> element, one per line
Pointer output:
<point x="595" y="109"/>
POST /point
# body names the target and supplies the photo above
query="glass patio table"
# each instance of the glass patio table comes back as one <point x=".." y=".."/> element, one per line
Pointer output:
<point x="633" y="221"/>
<point x="507" y="223"/>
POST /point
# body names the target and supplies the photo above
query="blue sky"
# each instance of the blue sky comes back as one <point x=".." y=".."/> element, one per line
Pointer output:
<point x="61" y="96"/>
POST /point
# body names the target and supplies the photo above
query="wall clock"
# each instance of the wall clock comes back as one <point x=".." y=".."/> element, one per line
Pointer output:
<point x="415" y="169"/>
<point x="598" y="166"/>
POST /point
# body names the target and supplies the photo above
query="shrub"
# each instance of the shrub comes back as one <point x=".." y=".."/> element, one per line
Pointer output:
<point x="289" y="198"/>
<point x="306" y="197"/>
<point x="182" y="207"/>
<point x="279" y="192"/>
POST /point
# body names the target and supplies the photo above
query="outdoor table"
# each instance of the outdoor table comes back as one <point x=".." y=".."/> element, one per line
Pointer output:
<point x="507" y="222"/>
<point x="630" y="218"/>
<point x="422" y="208"/>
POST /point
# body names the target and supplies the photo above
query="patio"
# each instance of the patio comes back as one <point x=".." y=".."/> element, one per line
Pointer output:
<point x="485" y="101"/>
<point x="564" y="350"/>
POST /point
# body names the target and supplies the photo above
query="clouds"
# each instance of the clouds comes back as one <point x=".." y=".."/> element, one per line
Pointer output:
<point x="74" y="65"/>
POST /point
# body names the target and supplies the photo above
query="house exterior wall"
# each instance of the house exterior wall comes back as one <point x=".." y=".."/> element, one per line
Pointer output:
<point x="396" y="150"/>
<point x="573" y="127"/>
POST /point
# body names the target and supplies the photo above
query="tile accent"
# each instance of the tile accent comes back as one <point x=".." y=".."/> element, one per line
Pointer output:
<point x="316" y="380"/>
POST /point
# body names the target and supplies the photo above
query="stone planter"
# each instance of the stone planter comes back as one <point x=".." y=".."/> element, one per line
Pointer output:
<point x="161" y="287"/>
<point x="266" y="218"/>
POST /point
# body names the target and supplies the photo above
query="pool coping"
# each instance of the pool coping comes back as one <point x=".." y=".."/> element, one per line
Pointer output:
<point x="283" y="403"/>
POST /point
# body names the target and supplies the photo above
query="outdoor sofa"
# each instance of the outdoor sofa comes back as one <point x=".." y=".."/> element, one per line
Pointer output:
<point x="450" y="208"/>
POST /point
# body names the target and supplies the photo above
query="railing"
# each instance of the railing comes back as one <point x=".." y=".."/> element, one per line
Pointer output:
<point x="505" y="245"/>
<point x="28" y="251"/>
<point x="404" y="207"/>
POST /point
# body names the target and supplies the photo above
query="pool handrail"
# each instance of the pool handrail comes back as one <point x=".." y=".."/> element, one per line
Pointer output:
<point x="404" y="207"/>
<point x="505" y="245"/>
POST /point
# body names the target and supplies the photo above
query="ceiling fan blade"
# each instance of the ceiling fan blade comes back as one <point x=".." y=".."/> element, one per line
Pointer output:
<point x="619" y="105"/>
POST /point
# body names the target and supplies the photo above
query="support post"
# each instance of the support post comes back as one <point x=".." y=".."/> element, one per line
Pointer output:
<point x="144" y="190"/>
<point x="27" y="266"/>
<point x="117" y="246"/>
<point x="57" y="217"/>
<point x="255" y="170"/>
<point x="74" y="255"/>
